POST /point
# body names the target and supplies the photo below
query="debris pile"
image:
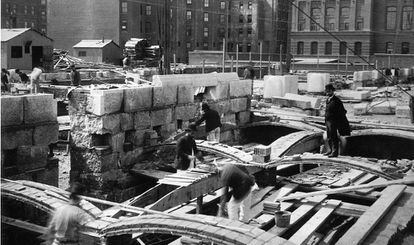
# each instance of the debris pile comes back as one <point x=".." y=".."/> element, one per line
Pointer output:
<point x="62" y="61"/>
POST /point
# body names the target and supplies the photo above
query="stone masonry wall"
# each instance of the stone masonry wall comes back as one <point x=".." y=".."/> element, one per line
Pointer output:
<point x="110" y="128"/>
<point x="28" y="126"/>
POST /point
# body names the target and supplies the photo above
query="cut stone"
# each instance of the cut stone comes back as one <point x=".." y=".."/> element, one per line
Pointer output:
<point x="386" y="107"/>
<point x="136" y="99"/>
<point x="186" y="112"/>
<point x="127" y="121"/>
<point x="46" y="134"/>
<point x="161" y="117"/>
<point x="101" y="102"/>
<point x="239" y="104"/>
<point x="240" y="88"/>
<point x="402" y="111"/>
<point x="11" y="139"/>
<point x="142" y="120"/>
<point x="11" y="110"/>
<point x="39" y="108"/>
<point x="103" y="124"/>
<point x="164" y="96"/>
<point x="185" y="94"/>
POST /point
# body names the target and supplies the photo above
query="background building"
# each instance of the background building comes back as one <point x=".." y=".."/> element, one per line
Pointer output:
<point x="24" y="14"/>
<point x="98" y="51"/>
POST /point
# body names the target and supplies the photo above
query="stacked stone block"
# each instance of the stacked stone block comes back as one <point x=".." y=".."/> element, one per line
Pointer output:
<point x="110" y="129"/>
<point x="28" y="126"/>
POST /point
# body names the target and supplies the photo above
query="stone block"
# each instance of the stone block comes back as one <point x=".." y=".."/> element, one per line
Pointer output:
<point x="361" y="109"/>
<point x="164" y="96"/>
<point x="11" y="110"/>
<point x="222" y="107"/>
<point x="104" y="124"/>
<point x="137" y="138"/>
<point x="127" y="121"/>
<point x="13" y="138"/>
<point x="31" y="157"/>
<point x="46" y="134"/>
<point x="386" y="107"/>
<point x="315" y="102"/>
<point x="136" y="99"/>
<point x="185" y="112"/>
<point x="142" y="120"/>
<point x="160" y="117"/>
<point x="402" y="111"/>
<point x="243" y="117"/>
<point x="239" y="104"/>
<point x="229" y="119"/>
<point x="117" y="142"/>
<point x="196" y="80"/>
<point x="353" y="95"/>
<point x="81" y="139"/>
<point x="218" y="92"/>
<point x="226" y="136"/>
<point x="39" y="108"/>
<point x="101" y="102"/>
<point x="90" y="161"/>
<point x="282" y="101"/>
<point x="240" y="88"/>
<point x="185" y="95"/>
<point x="168" y="129"/>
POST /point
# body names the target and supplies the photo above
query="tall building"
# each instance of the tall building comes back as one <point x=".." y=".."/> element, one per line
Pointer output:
<point x="24" y="14"/>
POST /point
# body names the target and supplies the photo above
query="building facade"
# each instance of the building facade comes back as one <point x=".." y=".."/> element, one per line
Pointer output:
<point x="24" y="14"/>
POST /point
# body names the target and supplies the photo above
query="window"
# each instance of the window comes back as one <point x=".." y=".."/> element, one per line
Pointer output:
<point x="389" y="47"/>
<point x="205" y="17"/>
<point x="124" y="24"/>
<point x="301" y="26"/>
<point x="240" y="32"/>
<point x="43" y="2"/>
<point x="188" y="14"/>
<point x="249" y="18"/>
<point x="240" y="5"/>
<point x="188" y="45"/>
<point x="299" y="49"/>
<point x="407" y="18"/>
<point x="7" y="8"/>
<point x="359" y="24"/>
<point x="222" y="18"/>
<point x="7" y="24"/>
<point x="391" y="18"/>
<point x="14" y="11"/>
<point x="330" y="12"/>
<point x="16" y="51"/>
<point x="148" y="10"/>
<point x="82" y="53"/>
<point x="205" y="45"/>
<point x="330" y="26"/>
<point x="25" y="9"/>
<point x="43" y="30"/>
<point x="178" y="44"/>
<point x="345" y="12"/>
<point x="344" y="26"/>
<point x="248" y="47"/>
<point x="189" y="32"/>
<point x="33" y="10"/>
<point x="188" y="1"/>
<point x="359" y="8"/>
<point x="221" y="32"/>
<point x="124" y="7"/>
<point x="33" y="24"/>
<point x="240" y="48"/>
<point x="358" y="48"/>
<point x="206" y="3"/>
<point x="223" y="5"/>
<point x="314" y="48"/>
<point x="241" y="17"/>
<point x="249" y="5"/>
<point x="205" y="31"/>
<point x="313" y="26"/>
<point x="328" y="48"/>
<point x="342" y="48"/>
<point x="405" y="47"/>
<point x="249" y="32"/>
<point x="147" y="27"/>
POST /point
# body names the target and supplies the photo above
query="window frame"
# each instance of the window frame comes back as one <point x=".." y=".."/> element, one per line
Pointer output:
<point x="16" y="52"/>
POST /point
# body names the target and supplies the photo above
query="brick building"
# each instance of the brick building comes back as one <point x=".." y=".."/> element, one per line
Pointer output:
<point x="24" y="14"/>
<point x="368" y="27"/>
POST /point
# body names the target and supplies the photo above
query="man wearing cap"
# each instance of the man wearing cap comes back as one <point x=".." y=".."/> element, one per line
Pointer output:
<point x="66" y="221"/>
<point x="75" y="77"/>
<point x="335" y="121"/>
<point x="187" y="150"/>
<point x="213" y="122"/>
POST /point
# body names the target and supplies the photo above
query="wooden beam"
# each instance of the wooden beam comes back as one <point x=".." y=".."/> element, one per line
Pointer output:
<point x="364" y="225"/>
<point x="23" y="225"/>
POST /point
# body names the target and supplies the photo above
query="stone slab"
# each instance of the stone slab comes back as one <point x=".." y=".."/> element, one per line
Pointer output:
<point x="11" y="110"/>
<point x="101" y="102"/>
<point x="239" y="104"/>
<point x="386" y="107"/>
<point x="361" y="109"/>
<point x="142" y="120"/>
<point x="282" y="101"/>
<point x="185" y="112"/>
<point x="13" y="138"/>
<point x="127" y="121"/>
<point x="164" y="96"/>
<point x="104" y="124"/>
<point x="160" y="117"/>
<point x="139" y="98"/>
<point x="185" y="95"/>
<point x="315" y="102"/>
<point x="240" y="88"/>
<point x="31" y="157"/>
<point x="46" y="134"/>
<point x="402" y="111"/>
<point x="353" y="95"/>
<point x="39" y="108"/>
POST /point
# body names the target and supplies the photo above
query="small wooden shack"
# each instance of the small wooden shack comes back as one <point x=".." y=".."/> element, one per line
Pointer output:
<point x="99" y="51"/>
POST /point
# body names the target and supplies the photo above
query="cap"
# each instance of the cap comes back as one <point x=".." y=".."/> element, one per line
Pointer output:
<point x="329" y="87"/>
<point x="205" y="106"/>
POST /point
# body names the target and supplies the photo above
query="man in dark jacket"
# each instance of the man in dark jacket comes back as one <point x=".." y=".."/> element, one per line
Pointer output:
<point x="213" y="122"/>
<point x="335" y="121"/>
<point x="75" y="77"/>
<point x="187" y="150"/>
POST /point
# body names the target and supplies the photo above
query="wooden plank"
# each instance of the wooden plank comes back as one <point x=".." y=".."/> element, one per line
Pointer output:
<point x="152" y="173"/>
<point x="314" y="223"/>
<point x="24" y="225"/>
<point x="366" y="191"/>
<point x="191" y="207"/>
<point x="348" y="178"/>
<point x="299" y="213"/>
<point x="364" y="225"/>
<point x="259" y="195"/>
<point x="364" y="179"/>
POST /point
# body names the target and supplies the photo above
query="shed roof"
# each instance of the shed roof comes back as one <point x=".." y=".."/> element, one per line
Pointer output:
<point x="94" y="43"/>
<point x="8" y="34"/>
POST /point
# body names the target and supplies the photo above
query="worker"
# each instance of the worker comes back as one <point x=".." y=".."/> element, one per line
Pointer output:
<point x="213" y="122"/>
<point x="126" y="62"/>
<point x="23" y="77"/>
<point x="68" y="219"/>
<point x="241" y="184"/>
<point x="75" y="77"/>
<point x="34" y="79"/>
<point x="335" y="120"/>
<point x="14" y="76"/>
<point x="186" y="151"/>
<point x="4" y="80"/>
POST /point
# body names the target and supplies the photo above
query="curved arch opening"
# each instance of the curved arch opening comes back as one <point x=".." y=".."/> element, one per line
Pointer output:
<point x="264" y="134"/>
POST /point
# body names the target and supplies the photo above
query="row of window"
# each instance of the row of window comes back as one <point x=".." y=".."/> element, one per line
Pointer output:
<point x="406" y="18"/>
<point x="230" y="46"/>
<point x="147" y="9"/>
<point x="26" y="9"/>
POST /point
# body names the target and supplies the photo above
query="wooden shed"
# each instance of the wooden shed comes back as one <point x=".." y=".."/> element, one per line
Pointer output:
<point x="98" y="51"/>
<point x="25" y="48"/>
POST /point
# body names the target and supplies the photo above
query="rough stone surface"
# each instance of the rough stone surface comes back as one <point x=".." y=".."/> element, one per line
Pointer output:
<point x="81" y="139"/>
<point x="229" y="119"/>
<point x="239" y="104"/>
<point x="402" y="111"/>
<point x="39" y="108"/>
<point x="31" y="157"/>
<point x="161" y="117"/>
<point x="196" y="80"/>
<point x="117" y="142"/>
<point x="139" y="98"/>
<point x="104" y="124"/>
<point x="185" y="94"/>
<point x="164" y="96"/>
<point x="101" y="102"/>
<point x="353" y="95"/>
<point x="11" y="110"/>
<point x="46" y="134"/>
<point x="387" y="107"/>
<point x="127" y="121"/>
<point x="240" y="88"/>
<point x="221" y="91"/>
<point x="226" y="136"/>
<point x="142" y="120"/>
<point x="89" y="161"/>
<point x="185" y="112"/>
<point x="131" y="157"/>
<point x="282" y="101"/>
<point x="168" y="129"/>
<point x="11" y="139"/>
<point x="315" y="102"/>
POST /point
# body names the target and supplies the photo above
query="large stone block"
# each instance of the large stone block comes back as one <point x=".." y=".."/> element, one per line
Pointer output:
<point x="282" y="101"/>
<point x="161" y="117"/>
<point x="101" y="102"/>
<point x="222" y="107"/>
<point x="196" y="80"/>
<point x="218" y="92"/>
<point x="13" y="138"/>
<point x="81" y="139"/>
<point x="185" y="94"/>
<point x="387" y="108"/>
<point x="361" y="109"/>
<point x="185" y="112"/>
<point x="11" y="110"/>
<point x="31" y="157"/>
<point x="353" y="95"/>
<point x="39" y="108"/>
<point x="46" y="134"/>
<point x="229" y="119"/>
<point x="139" y="98"/>
<point x="117" y="142"/>
<point x="240" y="88"/>
<point x="104" y="124"/>
<point x="137" y="138"/>
<point x="90" y="161"/>
<point x="164" y="96"/>
<point x="226" y="136"/>
<point x="239" y="104"/>
<point x="168" y="129"/>
<point x="127" y="121"/>
<point x="402" y="111"/>
<point x="315" y="102"/>
<point x="142" y="119"/>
